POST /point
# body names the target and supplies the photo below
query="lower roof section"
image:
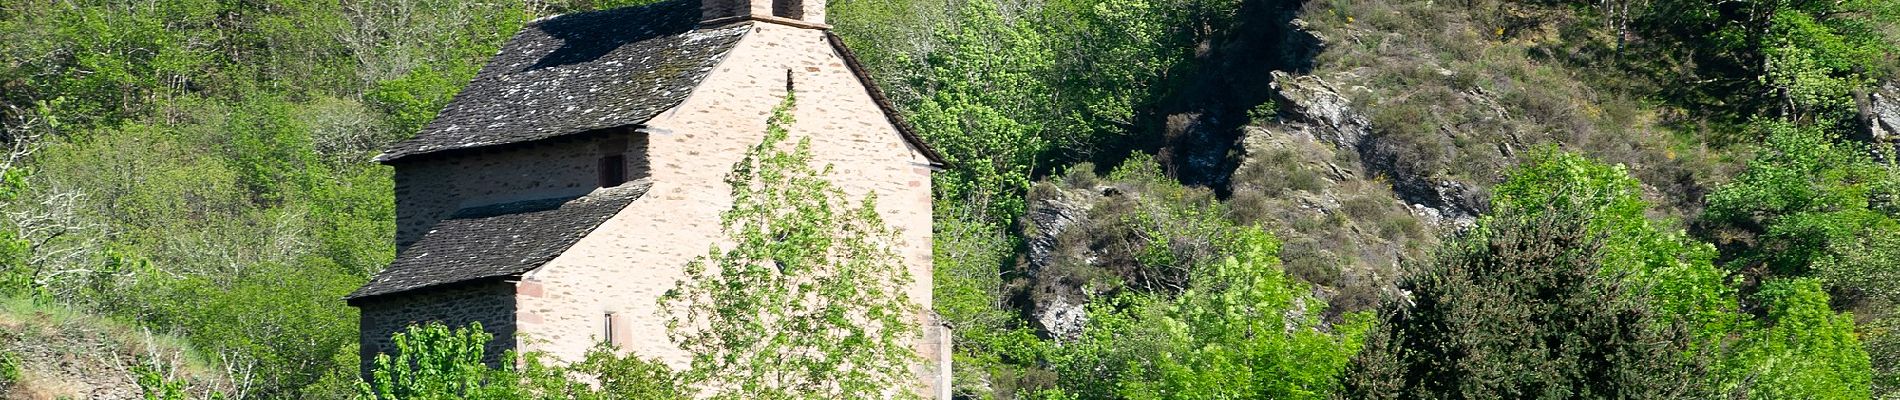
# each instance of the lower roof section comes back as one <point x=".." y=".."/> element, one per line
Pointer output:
<point x="500" y="240"/>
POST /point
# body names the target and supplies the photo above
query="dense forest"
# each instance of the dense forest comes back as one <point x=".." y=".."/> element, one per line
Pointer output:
<point x="1146" y="199"/>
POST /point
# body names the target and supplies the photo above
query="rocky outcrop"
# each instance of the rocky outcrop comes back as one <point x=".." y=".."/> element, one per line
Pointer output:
<point x="1057" y="303"/>
<point x="1309" y="99"/>
<point x="1314" y="107"/>
<point x="1883" y="114"/>
<point x="1200" y="115"/>
<point x="1340" y="229"/>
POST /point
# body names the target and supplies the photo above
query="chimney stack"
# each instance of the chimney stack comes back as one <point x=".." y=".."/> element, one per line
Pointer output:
<point x="801" y="13"/>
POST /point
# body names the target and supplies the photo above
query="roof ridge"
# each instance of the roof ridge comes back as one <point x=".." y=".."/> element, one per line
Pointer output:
<point x="547" y="80"/>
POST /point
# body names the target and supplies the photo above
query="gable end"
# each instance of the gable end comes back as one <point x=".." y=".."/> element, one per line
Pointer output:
<point x="884" y="103"/>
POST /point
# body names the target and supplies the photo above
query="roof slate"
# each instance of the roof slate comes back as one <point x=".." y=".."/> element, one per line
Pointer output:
<point x="500" y="240"/>
<point x="579" y="72"/>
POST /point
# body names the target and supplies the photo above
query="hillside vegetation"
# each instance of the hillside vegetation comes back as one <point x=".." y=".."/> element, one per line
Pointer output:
<point x="1147" y="198"/>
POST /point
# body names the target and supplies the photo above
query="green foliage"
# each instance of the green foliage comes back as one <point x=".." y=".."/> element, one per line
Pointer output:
<point x="1521" y="307"/>
<point x="155" y="385"/>
<point x="9" y="369"/>
<point x="1116" y="57"/>
<point x="291" y="323"/>
<point x="1568" y="290"/>
<point x="1187" y="303"/>
<point x="1786" y="59"/>
<point x="809" y="300"/>
<point x="16" y="277"/>
<point x="970" y="292"/>
<point x="1807" y="350"/>
<point x="625" y="377"/>
<point x="1811" y="206"/>
<point x="1674" y="271"/>
<point x="435" y="362"/>
<point x="411" y="101"/>
<point x="985" y="96"/>
<point x="199" y="159"/>
<point x="1173" y="230"/>
<point x="1241" y="330"/>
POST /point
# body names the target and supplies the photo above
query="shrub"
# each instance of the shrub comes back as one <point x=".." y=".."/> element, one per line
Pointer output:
<point x="435" y="362"/>
<point x="1569" y="290"/>
<point x="9" y="369"/>
<point x="1521" y="308"/>
<point x="1241" y="330"/>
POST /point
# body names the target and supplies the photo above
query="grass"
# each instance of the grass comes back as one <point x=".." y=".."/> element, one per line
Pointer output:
<point x="57" y="351"/>
<point x="1456" y="89"/>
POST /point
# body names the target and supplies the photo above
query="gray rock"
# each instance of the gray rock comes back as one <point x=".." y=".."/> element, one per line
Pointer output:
<point x="1062" y="317"/>
<point x="1058" y="305"/>
<point x="1316" y="108"/>
<point x="1050" y="212"/>
<point x="1885" y="109"/>
<point x="1311" y="100"/>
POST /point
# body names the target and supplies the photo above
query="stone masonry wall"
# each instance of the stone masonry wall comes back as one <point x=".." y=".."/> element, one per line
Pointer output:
<point x="492" y="304"/>
<point x="429" y="190"/>
<point x="627" y="263"/>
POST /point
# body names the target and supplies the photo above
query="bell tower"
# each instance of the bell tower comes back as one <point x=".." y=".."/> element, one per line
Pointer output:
<point x="801" y="13"/>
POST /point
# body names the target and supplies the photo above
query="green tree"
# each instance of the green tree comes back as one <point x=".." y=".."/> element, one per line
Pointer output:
<point x="1805" y="351"/>
<point x="1568" y="291"/>
<point x="435" y="362"/>
<point x="1674" y="272"/>
<point x="1812" y="206"/>
<point x="16" y="278"/>
<point x="1521" y="308"/>
<point x="808" y="300"/>
<point x="620" y="376"/>
<point x="1242" y="330"/>
<point x="1797" y="60"/>
<point x="985" y="102"/>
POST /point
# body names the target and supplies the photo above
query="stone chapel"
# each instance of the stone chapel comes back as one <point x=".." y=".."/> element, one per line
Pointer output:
<point x="565" y="188"/>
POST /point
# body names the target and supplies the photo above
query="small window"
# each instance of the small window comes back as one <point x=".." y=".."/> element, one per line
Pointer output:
<point x="607" y="330"/>
<point x="794" y="9"/>
<point x="613" y="170"/>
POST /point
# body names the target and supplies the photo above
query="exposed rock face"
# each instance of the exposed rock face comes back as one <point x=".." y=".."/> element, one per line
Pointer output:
<point x="1310" y="99"/>
<point x="1339" y="229"/>
<point x="1058" y="303"/>
<point x="1884" y="114"/>
<point x="1050" y="213"/>
<point x="1199" y="149"/>
<point x="1315" y="107"/>
<point x="1200" y="118"/>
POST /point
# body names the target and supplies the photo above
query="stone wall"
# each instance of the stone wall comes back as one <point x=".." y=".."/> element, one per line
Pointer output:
<point x="491" y="303"/>
<point x="629" y="261"/>
<point x="429" y="189"/>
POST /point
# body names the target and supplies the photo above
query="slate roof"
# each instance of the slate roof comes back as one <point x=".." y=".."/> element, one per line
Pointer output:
<point x="498" y="241"/>
<point x="579" y="72"/>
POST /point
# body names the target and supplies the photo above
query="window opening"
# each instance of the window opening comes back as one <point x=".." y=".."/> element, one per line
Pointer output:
<point x="793" y="9"/>
<point x="613" y="170"/>
<point x="607" y="329"/>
